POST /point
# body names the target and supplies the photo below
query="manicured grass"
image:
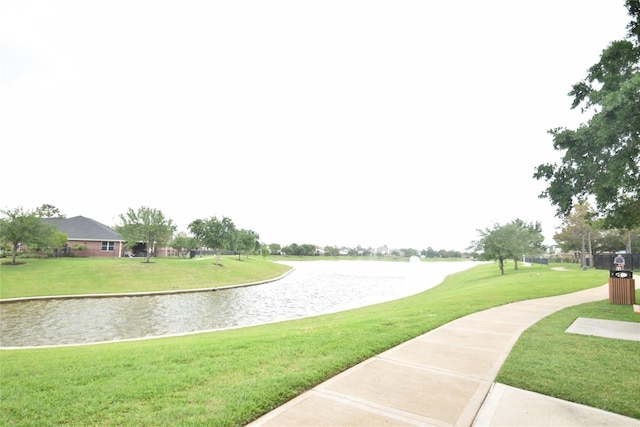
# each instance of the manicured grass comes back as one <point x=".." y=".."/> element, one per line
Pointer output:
<point x="229" y="378"/>
<point x="72" y="276"/>
<point x="594" y="371"/>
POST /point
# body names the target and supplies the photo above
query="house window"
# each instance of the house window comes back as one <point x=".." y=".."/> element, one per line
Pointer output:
<point x="108" y="246"/>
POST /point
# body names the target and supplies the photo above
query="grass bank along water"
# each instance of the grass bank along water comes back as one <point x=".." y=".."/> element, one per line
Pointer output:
<point x="78" y="276"/>
<point x="229" y="378"/>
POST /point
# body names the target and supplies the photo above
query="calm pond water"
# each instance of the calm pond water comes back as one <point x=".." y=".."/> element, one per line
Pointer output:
<point x="313" y="288"/>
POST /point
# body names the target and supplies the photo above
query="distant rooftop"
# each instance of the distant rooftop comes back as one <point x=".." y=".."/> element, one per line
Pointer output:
<point x="81" y="228"/>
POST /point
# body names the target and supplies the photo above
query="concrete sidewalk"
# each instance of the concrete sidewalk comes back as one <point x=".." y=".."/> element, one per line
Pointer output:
<point x="445" y="377"/>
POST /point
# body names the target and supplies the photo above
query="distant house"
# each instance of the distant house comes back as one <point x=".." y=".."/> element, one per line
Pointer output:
<point x="86" y="237"/>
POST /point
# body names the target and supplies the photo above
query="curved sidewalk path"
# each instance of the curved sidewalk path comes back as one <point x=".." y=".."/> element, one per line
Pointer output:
<point x="445" y="377"/>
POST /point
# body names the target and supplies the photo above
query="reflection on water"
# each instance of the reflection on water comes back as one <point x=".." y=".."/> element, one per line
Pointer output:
<point x="314" y="288"/>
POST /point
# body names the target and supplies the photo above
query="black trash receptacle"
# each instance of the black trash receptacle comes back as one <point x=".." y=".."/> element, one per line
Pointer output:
<point x="192" y="254"/>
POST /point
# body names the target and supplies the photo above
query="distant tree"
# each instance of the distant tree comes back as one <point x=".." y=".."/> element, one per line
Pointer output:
<point x="23" y="227"/>
<point x="608" y="241"/>
<point x="331" y="251"/>
<point x="307" y="249"/>
<point x="580" y="232"/>
<point x="449" y="253"/>
<point x="183" y="244"/>
<point x="292" y="249"/>
<point x="575" y="225"/>
<point x="510" y="241"/>
<point x="409" y="252"/>
<point x="146" y="225"/>
<point x="582" y="223"/>
<point x="214" y="233"/>
<point x="528" y="240"/>
<point x="49" y="211"/>
<point x="602" y="157"/>
<point x="429" y="252"/>
<point x="274" y="248"/>
<point x="494" y="244"/>
<point x="246" y="242"/>
<point x="264" y="251"/>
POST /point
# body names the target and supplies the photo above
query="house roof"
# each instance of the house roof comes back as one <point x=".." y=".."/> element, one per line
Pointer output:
<point x="81" y="228"/>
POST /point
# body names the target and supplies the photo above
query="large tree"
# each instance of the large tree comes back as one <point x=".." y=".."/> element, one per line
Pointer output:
<point x="23" y="227"/>
<point x="214" y="233"/>
<point x="511" y="241"/>
<point x="146" y="225"/>
<point x="602" y="157"/>
<point x="246" y="242"/>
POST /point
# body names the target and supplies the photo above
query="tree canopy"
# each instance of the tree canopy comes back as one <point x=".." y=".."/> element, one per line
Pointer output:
<point x="183" y="244"/>
<point x="24" y="227"/>
<point x="246" y="241"/>
<point x="49" y="211"/>
<point x="146" y="225"/>
<point x="214" y="233"/>
<point x="511" y="241"/>
<point x="602" y="157"/>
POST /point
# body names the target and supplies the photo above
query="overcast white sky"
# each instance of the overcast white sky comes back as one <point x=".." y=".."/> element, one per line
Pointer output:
<point x="405" y="123"/>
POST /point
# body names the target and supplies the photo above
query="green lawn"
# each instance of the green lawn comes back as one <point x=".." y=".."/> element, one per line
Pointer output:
<point x="229" y="378"/>
<point x="594" y="371"/>
<point x="72" y="276"/>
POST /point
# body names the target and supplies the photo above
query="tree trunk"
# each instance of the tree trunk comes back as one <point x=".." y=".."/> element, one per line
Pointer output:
<point x="148" y="255"/>
<point x="15" y="252"/>
<point x="501" y="265"/>
<point x="582" y="254"/>
<point x="591" y="257"/>
<point x="628" y="232"/>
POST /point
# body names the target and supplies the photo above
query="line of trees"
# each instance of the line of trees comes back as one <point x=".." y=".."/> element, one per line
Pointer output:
<point x="20" y="227"/>
<point x="150" y="226"/>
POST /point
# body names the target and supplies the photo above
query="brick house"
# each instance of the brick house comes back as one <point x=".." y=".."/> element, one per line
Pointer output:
<point x="86" y="237"/>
